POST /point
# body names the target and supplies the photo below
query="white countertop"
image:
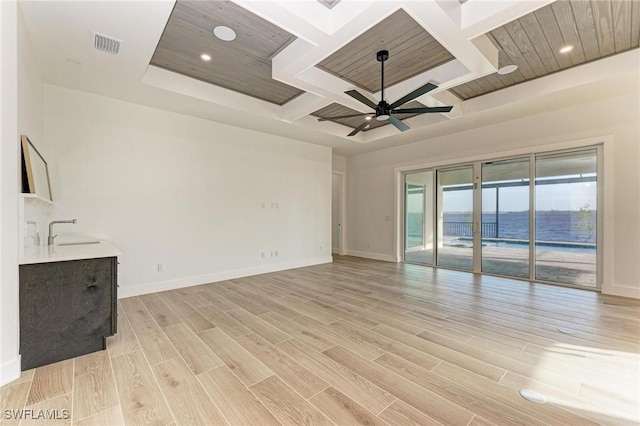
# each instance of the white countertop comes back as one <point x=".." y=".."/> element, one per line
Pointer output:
<point x="62" y="253"/>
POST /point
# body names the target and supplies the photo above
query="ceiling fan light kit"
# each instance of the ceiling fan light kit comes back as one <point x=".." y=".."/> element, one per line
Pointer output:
<point x="385" y="111"/>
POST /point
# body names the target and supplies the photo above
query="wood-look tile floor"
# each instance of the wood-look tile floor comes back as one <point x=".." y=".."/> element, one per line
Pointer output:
<point x="353" y="342"/>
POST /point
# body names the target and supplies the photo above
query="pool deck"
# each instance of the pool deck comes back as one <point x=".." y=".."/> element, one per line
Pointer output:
<point x="557" y="266"/>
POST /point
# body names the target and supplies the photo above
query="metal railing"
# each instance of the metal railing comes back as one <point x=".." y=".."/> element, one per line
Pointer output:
<point x="465" y="229"/>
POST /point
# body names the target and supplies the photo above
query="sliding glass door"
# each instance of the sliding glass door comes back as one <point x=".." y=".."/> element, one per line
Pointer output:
<point x="418" y="232"/>
<point x="566" y="211"/>
<point x="488" y="217"/>
<point x="505" y="217"/>
<point x="455" y="218"/>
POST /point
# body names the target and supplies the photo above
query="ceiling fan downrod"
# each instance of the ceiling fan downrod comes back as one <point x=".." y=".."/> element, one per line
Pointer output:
<point x="382" y="56"/>
<point x="382" y="110"/>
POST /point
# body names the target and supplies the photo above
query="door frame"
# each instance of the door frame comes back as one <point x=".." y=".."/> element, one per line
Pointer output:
<point x="605" y="204"/>
<point x="342" y="239"/>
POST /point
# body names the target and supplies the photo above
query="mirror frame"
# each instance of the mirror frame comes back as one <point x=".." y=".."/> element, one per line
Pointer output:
<point x="30" y="154"/>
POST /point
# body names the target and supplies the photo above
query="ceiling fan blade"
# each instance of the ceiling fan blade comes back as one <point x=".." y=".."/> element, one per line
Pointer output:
<point x="422" y="110"/>
<point x="399" y="124"/>
<point x="357" y="129"/>
<point x="418" y="92"/>
<point x="362" y="98"/>
<point x="344" y="116"/>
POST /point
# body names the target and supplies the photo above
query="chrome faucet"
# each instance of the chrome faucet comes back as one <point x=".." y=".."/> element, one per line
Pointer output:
<point x="53" y="222"/>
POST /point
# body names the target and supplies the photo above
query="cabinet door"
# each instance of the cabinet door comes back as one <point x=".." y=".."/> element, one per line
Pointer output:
<point x="65" y="309"/>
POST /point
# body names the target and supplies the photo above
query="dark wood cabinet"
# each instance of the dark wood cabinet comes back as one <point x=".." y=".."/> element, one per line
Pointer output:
<point x="67" y="309"/>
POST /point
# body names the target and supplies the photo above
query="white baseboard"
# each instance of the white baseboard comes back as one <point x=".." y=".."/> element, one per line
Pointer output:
<point x="137" y="290"/>
<point x="622" y="290"/>
<point x="370" y="255"/>
<point x="10" y="371"/>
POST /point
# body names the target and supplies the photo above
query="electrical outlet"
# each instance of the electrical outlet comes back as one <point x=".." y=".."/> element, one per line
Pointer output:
<point x="320" y="248"/>
<point x="160" y="267"/>
<point x="262" y="255"/>
<point x="369" y="245"/>
<point x="276" y="252"/>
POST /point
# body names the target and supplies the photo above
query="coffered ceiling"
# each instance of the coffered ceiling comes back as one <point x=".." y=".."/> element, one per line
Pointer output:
<point x="413" y="51"/>
<point x="243" y="65"/>
<point x="594" y="29"/>
<point x="329" y="3"/>
<point x="293" y="60"/>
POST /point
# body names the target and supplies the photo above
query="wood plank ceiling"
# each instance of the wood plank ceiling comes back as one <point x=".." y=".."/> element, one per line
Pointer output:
<point x="412" y="50"/>
<point x="335" y="110"/>
<point x="242" y="65"/>
<point x="596" y="29"/>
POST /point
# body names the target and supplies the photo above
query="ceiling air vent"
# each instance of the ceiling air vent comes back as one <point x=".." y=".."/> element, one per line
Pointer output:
<point x="106" y="44"/>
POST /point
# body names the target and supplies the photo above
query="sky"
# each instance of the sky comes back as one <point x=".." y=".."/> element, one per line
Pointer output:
<point x="565" y="196"/>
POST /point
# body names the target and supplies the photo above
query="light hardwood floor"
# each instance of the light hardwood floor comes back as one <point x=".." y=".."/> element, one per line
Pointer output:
<point x="353" y="342"/>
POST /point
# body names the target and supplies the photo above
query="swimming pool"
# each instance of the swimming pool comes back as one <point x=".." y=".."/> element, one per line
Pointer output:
<point x="540" y="246"/>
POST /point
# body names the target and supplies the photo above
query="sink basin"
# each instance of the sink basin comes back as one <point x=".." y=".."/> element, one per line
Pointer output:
<point x="79" y="243"/>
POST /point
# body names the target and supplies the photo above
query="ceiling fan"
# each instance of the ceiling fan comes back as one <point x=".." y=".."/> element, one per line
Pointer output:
<point x="385" y="111"/>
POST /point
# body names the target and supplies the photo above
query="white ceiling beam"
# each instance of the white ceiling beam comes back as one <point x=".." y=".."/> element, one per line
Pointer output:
<point x="293" y="18"/>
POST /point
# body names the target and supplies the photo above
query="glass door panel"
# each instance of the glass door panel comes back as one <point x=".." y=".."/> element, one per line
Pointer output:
<point x="418" y="234"/>
<point x="454" y="191"/>
<point x="505" y="217"/>
<point x="566" y="204"/>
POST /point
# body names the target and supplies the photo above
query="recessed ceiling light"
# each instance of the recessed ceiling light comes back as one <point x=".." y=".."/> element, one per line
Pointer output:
<point x="367" y="126"/>
<point x="507" y="69"/>
<point x="224" y="33"/>
<point x="368" y="118"/>
<point x="566" y="49"/>
<point x="205" y="57"/>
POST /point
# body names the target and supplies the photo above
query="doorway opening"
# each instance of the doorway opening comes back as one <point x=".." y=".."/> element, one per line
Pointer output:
<point x="338" y="236"/>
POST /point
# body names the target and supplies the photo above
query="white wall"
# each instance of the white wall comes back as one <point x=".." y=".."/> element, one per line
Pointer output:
<point x="30" y="92"/>
<point x="203" y="198"/>
<point x="9" y="317"/>
<point x="31" y="124"/>
<point x="339" y="163"/>
<point x="371" y="188"/>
